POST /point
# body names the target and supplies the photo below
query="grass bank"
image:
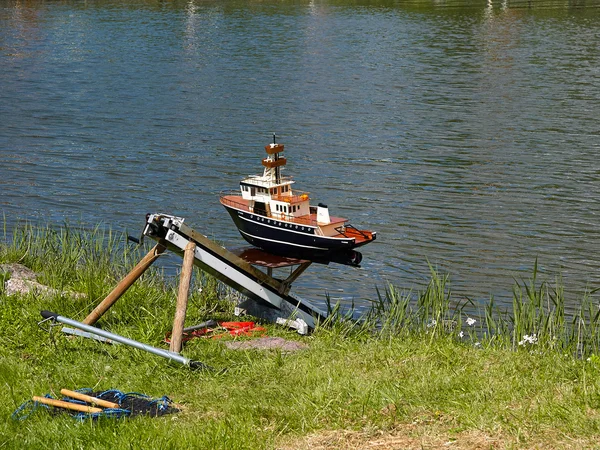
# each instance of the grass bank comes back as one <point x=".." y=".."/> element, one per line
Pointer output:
<point x="416" y="373"/>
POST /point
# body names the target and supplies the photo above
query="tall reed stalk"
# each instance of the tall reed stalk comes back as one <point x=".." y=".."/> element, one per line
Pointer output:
<point x="537" y="320"/>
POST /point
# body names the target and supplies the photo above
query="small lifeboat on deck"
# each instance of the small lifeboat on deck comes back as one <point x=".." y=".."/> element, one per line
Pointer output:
<point x="271" y="215"/>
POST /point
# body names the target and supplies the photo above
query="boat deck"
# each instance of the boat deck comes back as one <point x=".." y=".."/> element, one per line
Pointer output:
<point x="238" y="202"/>
<point x="360" y="237"/>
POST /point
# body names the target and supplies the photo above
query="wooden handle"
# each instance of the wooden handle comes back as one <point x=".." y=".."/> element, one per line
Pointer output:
<point x="125" y="283"/>
<point x="89" y="399"/>
<point x="66" y="405"/>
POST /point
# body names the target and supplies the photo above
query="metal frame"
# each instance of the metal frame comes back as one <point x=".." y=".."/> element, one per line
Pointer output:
<point x="233" y="270"/>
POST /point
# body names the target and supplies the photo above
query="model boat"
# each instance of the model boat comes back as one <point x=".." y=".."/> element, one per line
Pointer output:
<point x="271" y="215"/>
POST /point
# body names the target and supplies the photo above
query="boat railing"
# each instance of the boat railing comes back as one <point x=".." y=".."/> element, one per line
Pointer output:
<point x="294" y="196"/>
<point x="226" y="199"/>
<point x="351" y="231"/>
<point x="259" y="180"/>
<point x="300" y="220"/>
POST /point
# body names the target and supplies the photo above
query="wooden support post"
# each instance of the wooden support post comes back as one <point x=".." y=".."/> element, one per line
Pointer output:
<point x="182" y="297"/>
<point x="287" y="283"/>
<point x="125" y="283"/>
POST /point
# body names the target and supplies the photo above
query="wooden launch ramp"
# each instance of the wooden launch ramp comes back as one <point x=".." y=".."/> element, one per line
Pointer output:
<point x="268" y="297"/>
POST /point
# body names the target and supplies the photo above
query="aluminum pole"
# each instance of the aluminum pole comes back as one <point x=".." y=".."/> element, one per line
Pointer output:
<point x="123" y="340"/>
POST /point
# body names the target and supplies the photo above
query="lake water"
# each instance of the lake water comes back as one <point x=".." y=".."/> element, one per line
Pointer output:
<point x="465" y="133"/>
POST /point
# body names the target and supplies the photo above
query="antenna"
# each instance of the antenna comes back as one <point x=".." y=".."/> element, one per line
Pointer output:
<point x="277" y="169"/>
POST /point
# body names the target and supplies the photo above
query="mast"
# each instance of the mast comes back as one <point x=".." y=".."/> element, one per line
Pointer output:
<point x="277" y="169"/>
<point x="273" y="161"/>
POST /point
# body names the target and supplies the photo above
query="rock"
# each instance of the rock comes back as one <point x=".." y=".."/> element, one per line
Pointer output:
<point x="23" y="281"/>
<point x="24" y="286"/>
<point x="18" y="271"/>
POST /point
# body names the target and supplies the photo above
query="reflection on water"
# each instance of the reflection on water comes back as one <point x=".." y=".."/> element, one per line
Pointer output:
<point x="464" y="134"/>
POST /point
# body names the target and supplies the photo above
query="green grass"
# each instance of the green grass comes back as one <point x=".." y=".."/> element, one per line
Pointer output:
<point x="403" y="372"/>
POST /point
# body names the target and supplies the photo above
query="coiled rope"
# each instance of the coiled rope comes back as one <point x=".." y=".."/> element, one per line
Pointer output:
<point x="131" y="404"/>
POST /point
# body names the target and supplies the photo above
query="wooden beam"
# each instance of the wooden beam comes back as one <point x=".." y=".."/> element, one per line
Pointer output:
<point x="122" y="287"/>
<point x="287" y="283"/>
<point x="182" y="297"/>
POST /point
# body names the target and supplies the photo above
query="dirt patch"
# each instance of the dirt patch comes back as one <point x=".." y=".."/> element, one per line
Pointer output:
<point x="267" y="343"/>
<point x="406" y="439"/>
<point x="417" y="437"/>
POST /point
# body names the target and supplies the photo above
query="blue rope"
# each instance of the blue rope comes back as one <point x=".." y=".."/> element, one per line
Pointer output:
<point x="115" y="413"/>
<point x="26" y="410"/>
<point x="29" y="407"/>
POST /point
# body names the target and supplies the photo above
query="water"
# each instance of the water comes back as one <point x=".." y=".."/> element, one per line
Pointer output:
<point x="465" y="134"/>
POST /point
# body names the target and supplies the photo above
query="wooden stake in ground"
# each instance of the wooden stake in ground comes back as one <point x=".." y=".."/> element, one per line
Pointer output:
<point x="182" y="297"/>
<point x="89" y="399"/>
<point x="66" y="405"/>
<point x="131" y="277"/>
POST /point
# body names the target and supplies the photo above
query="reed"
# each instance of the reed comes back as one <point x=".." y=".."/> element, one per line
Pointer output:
<point x="392" y="312"/>
<point x="537" y="320"/>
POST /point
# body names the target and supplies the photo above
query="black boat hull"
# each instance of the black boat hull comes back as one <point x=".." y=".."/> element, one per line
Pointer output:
<point x="293" y="240"/>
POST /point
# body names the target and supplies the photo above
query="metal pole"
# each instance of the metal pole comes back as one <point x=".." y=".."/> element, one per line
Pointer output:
<point x="123" y="340"/>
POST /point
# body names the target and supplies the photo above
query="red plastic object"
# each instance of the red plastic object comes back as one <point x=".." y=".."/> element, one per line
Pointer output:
<point x="232" y="328"/>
